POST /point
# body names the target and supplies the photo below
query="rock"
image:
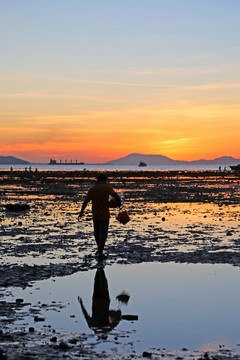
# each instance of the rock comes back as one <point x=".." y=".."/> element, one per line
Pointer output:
<point x="73" y="341"/>
<point x="53" y="339"/>
<point x="37" y="318"/>
<point x="31" y="329"/>
<point x="64" y="346"/>
<point x="163" y="219"/>
<point x="146" y="354"/>
<point x="19" y="301"/>
<point x="17" y="207"/>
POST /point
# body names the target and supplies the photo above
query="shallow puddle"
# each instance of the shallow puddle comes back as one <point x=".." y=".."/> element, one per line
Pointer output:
<point x="174" y="306"/>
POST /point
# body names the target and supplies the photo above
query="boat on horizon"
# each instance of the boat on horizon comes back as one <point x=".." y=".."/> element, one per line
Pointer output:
<point x="142" y="163"/>
<point x="54" y="162"/>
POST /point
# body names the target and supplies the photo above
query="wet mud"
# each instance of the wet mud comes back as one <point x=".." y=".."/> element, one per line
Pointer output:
<point x="188" y="217"/>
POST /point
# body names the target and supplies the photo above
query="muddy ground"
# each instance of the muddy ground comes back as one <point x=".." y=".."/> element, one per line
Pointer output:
<point x="190" y="217"/>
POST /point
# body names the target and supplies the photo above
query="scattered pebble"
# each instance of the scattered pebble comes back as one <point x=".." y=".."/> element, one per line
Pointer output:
<point x="38" y="319"/>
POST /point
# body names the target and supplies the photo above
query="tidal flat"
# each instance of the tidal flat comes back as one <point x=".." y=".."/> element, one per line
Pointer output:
<point x="177" y="259"/>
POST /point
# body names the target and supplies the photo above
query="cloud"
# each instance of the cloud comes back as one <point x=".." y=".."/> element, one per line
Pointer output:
<point x="38" y="95"/>
<point x="176" y="140"/>
<point x="213" y="86"/>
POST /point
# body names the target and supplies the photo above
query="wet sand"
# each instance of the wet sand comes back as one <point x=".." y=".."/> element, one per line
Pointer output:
<point x="186" y="217"/>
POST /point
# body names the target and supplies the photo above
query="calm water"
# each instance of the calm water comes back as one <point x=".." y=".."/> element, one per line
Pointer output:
<point x="112" y="167"/>
<point x="178" y="305"/>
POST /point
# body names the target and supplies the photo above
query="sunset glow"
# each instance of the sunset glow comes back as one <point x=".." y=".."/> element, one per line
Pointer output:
<point x="94" y="81"/>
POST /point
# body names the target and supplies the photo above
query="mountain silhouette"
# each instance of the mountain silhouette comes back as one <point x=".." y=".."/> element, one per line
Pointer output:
<point x="11" y="160"/>
<point x="135" y="158"/>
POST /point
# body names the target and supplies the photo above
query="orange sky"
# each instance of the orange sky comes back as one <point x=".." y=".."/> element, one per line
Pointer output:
<point x="95" y="88"/>
<point x="171" y="120"/>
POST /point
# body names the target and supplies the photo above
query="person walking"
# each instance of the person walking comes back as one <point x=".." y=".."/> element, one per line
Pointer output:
<point x="99" y="195"/>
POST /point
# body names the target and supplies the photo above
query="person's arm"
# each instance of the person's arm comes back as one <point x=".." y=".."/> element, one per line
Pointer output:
<point x="84" y="204"/>
<point x="82" y="209"/>
<point x="87" y="317"/>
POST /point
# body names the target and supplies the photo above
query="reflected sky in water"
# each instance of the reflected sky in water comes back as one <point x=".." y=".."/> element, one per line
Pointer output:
<point x="177" y="305"/>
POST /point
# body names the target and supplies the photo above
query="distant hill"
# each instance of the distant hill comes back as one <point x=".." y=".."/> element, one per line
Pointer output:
<point x="11" y="160"/>
<point x="135" y="158"/>
<point x="224" y="160"/>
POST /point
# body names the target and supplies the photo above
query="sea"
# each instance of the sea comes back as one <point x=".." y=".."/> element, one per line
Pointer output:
<point x="108" y="167"/>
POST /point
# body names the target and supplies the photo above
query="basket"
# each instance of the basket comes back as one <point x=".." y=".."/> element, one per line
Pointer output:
<point x="123" y="217"/>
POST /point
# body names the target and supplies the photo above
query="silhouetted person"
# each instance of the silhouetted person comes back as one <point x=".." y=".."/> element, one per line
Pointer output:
<point x="102" y="319"/>
<point x="99" y="195"/>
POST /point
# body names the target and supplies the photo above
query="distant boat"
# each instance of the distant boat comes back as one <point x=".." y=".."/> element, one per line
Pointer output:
<point x="142" y="163"/>
<point x="54" y="162"/>
<point x="235" y="167"/>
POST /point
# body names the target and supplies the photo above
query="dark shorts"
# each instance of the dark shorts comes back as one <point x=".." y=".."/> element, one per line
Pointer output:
<point x="100" y="229"/>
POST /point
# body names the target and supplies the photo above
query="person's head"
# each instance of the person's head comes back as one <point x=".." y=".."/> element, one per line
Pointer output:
<point x="102" y="177"/>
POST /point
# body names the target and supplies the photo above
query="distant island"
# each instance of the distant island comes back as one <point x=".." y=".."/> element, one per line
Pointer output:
<point x="135" y="159"/>
<point x="11" y="160"/>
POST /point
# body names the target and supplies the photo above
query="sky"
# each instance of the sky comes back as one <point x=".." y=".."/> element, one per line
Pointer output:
<point x="93" y="80"/>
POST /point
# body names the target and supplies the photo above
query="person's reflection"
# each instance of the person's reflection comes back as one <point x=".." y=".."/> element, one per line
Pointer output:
<point x="102" y="319"/>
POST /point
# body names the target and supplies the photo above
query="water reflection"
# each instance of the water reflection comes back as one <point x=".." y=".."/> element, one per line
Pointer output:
<point x="103" y="320"/>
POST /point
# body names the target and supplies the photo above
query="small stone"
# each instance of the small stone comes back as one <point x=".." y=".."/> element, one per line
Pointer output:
<point x="64" y="346"/>
<point x="19" y="301"/>
<point x="146" y="354"/>
<point x="31" y="329"/>
<point x="37" y="318"/>
<point x="163" y="219"/>
<point x="53" y="339"/>
<point x="73" y="341"/>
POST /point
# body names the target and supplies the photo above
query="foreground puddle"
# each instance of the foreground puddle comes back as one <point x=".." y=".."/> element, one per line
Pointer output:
<point x="146" y="306"/>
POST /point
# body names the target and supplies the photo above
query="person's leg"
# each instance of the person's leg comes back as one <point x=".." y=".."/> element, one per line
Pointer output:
<point x="103" y="232"/>
<point x="96" y="228"/>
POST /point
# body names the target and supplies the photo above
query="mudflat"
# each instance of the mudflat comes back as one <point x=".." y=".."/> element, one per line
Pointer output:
<point x="176" y="216"/>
